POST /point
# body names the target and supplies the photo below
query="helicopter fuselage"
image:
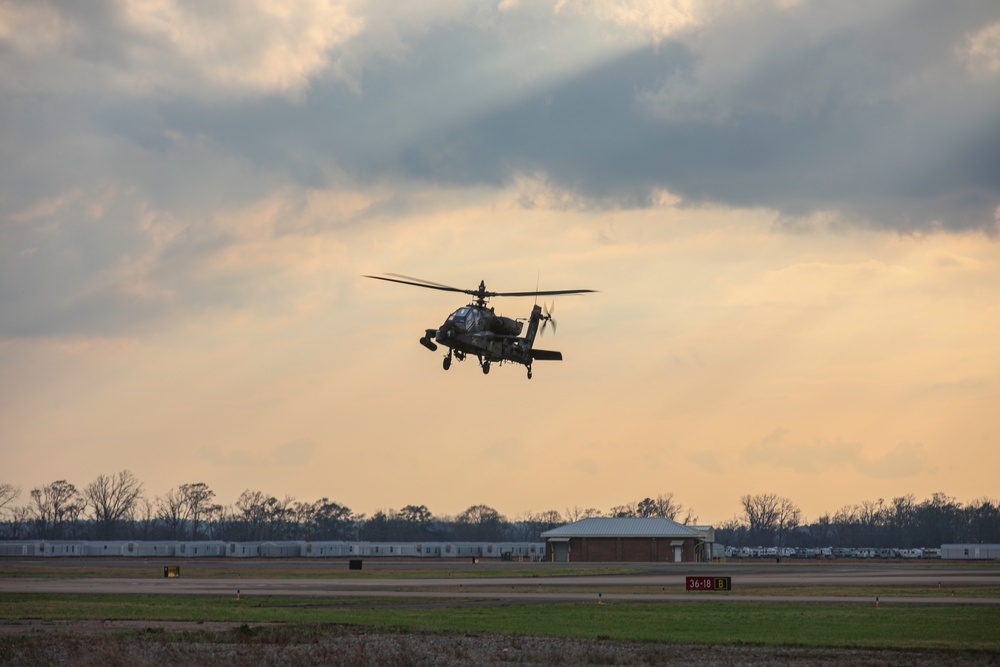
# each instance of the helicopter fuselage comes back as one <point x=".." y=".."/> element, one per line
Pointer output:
<point x="476" y="329"/>
<point x="492" y="338"/>
<point x="479" y="331"/>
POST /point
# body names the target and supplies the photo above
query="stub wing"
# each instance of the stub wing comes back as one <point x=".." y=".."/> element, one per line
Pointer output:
<point x="546" y="355"/>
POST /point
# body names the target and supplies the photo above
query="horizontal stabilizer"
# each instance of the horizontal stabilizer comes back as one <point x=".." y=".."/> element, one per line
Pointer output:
<point x="546" y="355"/>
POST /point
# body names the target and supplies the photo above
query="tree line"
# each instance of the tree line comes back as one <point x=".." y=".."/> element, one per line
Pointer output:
<point x="769" y="520"/>
<point x="116" y="507"/>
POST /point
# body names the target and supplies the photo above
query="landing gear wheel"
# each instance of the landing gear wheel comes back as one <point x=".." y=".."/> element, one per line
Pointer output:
<point x="447" y="362"/>
<point x="529" y="372"/>
<point x="486" y="368"/>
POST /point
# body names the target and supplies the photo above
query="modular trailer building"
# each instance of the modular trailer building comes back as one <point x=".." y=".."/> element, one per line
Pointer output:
<point x="970" y="551"/>
<point x="518" y="551"/>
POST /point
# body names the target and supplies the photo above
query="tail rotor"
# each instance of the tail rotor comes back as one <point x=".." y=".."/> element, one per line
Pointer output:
<point x="547" y="317"/>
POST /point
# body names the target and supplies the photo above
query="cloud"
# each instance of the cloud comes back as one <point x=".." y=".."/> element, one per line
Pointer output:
<point x="655" y="18"/>
<point x="805" y="108"/>
<point x="588" y="467"/>
<point x="904" y="460"/>
<point x="808" y="285"/>
<point x="982" y="50"/>
<point x="508" y="453"/>
<point x="165" y="47"/>
<point x="296" y="453"/>
<point x="816" y="108"/>
<point x="299" y="452"/>
<point x="710" y="460"/>
<point x="963" y="387"/>
<point x="256" y="46"/>
<point x="161" y="147"/>
<point x="125" y="266"/>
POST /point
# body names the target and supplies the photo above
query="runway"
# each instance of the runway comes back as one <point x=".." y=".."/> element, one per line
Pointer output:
<point x="655" y="583"/>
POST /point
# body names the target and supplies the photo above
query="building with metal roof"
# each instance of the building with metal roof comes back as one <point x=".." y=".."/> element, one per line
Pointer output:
<point x="630" y="539"/>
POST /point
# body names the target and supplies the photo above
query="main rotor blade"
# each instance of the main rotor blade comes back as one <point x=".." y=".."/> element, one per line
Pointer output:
<point x="443" y="288"/>
<point x="546" y="292"/>
<point x="421" y="280"/>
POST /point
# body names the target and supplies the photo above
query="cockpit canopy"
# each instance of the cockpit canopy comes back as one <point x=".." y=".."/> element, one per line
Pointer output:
<point x="465" y="318"/>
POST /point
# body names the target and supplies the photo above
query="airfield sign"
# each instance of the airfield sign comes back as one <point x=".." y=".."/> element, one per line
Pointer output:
<point x="709" y="583"/>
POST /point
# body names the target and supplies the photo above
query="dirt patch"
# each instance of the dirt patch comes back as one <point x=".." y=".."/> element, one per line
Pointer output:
<point x="152" y="644"/>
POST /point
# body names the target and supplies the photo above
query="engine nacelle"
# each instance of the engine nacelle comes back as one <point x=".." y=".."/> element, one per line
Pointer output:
<point x="506" y="326"/>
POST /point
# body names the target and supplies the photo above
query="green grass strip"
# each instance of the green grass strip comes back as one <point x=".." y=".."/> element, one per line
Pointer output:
<point x="947" y="627"/>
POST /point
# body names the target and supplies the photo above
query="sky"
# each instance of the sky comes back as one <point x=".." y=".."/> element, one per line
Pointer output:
<point x="790" y="211"/>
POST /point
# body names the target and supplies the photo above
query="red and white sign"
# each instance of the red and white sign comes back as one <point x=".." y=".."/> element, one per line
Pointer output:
<point x="709" y="583"/>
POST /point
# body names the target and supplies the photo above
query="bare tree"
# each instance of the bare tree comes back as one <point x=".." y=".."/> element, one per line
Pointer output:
<point x="941" y="519"/>
<point x="769" y="516"/>
<point x="481" y="523"/>
<point x="646" y="508"/>
<point x="415" y="522"/>
<point x="575" y="513"/>
<point x="551" y="518"/>
<point x="281" y="517"/>
<point x="983" y="519"/>
<point x="416" y="514"/>
<point x="378" y="527"/>
<point x="333" y="520"/>
<point x="690" y="518"/>
<point x="198" y="505"/>
<point x="663" y="506"/>
<point x="20" y="519"/>
<point x="56" y="505"/>
<point x="171" y="510"/>
<point x="624" y="511"/>
<point x="530" y="527"/>
<point x="900" y="520"/>
<point x="731" y="532"/>
<point x="250" y="514"/>
<point x="146" y="518"/>
<point x="113" y="499"/>
<point x="8" y="494"/>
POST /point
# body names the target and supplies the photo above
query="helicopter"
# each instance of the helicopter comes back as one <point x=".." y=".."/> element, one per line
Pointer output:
<point x="475" y="329"/>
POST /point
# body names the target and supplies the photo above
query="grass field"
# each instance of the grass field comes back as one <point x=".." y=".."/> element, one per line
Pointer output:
<point x="729" y="621"/>
<point x="748" y="623"/>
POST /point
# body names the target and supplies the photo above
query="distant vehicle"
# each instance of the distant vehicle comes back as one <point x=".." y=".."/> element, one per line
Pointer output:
<point x="830" y="552"/>
<point x="477" y="330"/>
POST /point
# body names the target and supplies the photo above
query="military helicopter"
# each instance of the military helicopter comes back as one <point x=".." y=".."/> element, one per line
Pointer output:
<point x="477" y="330"/>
